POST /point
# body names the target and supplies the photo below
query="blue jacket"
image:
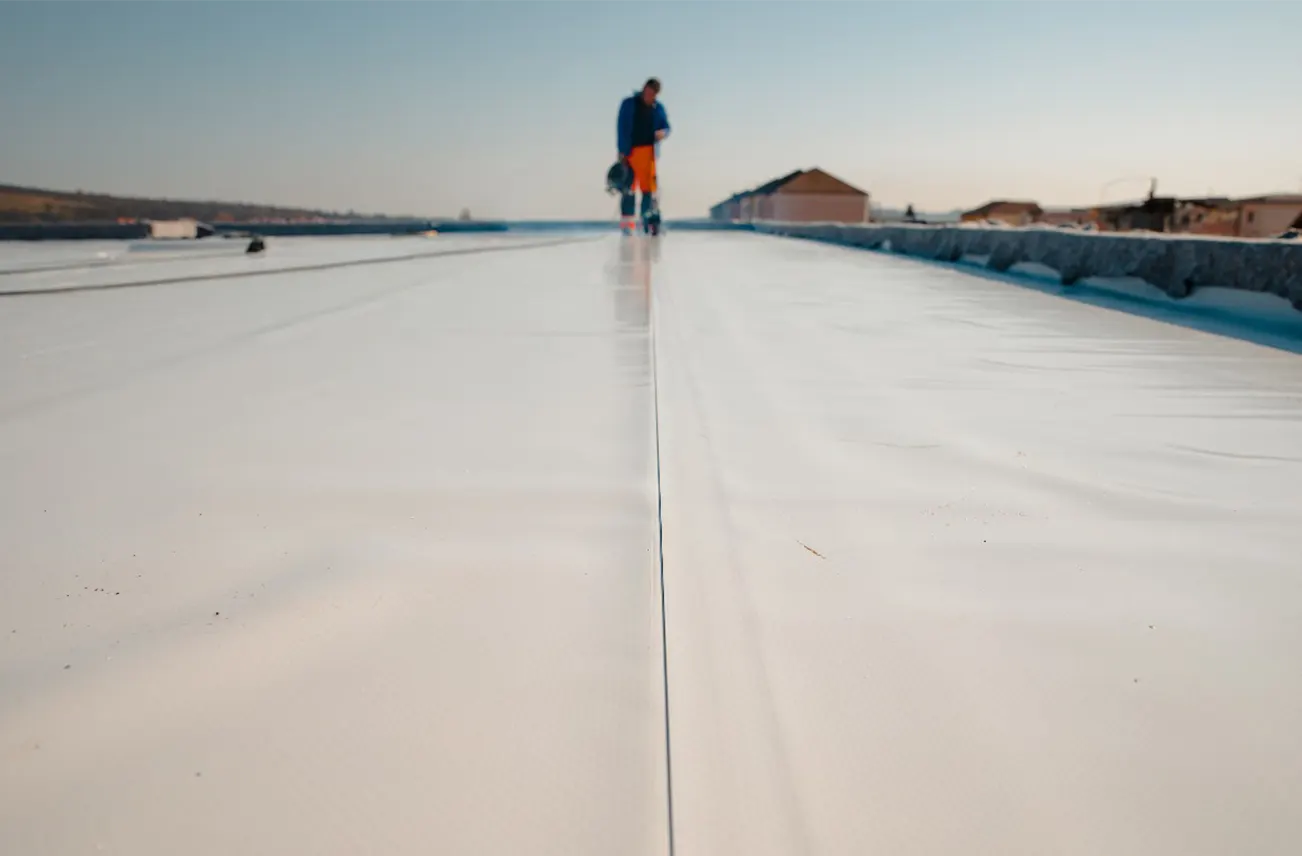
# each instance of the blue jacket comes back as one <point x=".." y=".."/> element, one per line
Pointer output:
<point x="624" y="130"/>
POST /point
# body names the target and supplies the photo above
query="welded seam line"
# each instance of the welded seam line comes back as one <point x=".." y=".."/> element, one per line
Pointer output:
<point x="244" y="274"/>
<point x="660" y="549"/>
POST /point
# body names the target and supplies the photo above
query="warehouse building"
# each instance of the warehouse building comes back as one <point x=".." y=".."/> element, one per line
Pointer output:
<point x="803" y="196"/>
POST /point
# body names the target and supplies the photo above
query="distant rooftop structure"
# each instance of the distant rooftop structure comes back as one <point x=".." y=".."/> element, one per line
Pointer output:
<point x="179" y="229"/>
<point x="1274" y="199"/>
<point x="804" y="195"/>
<point x="1015" y="212"/>
<point x="771" y="186"/>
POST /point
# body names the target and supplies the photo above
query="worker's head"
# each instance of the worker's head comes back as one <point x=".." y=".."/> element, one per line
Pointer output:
<point x="650" y="90"/>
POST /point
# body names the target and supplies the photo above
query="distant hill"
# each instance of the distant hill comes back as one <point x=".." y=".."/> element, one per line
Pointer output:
<point x="34" y="205"/>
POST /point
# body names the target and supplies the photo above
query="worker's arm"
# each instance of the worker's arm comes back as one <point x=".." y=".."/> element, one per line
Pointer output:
<point x="662" y="122"/>
<point x="624" y="129"/>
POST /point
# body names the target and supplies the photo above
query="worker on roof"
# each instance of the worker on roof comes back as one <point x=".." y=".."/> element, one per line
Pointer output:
<point x="642" y="124"/>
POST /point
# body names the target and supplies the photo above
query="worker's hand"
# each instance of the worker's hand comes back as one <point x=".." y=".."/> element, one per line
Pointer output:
<point x="660" y="135"/>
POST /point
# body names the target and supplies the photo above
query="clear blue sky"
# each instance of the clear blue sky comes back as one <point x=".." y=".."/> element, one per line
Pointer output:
<point x="509" y="108"/>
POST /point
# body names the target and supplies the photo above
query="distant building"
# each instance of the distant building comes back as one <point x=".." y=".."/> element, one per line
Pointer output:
<point x="1270" y="215"/>
<point x="754" y="202"/>
<point x="1254" y="217"/>
<point x="178" y="229"/>
<point x="729" y="210"/>
<point x="1154" y="214"/>
<point x="1007" y="211"/>
<point x="803" y="196"/>
<point x="1067" y="217"/>
<point x="1207" y="216"/>
<point x="815" y="196"/>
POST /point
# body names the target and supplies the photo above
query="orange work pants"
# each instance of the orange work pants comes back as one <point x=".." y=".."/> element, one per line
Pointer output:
<point x="643" y="162"/>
